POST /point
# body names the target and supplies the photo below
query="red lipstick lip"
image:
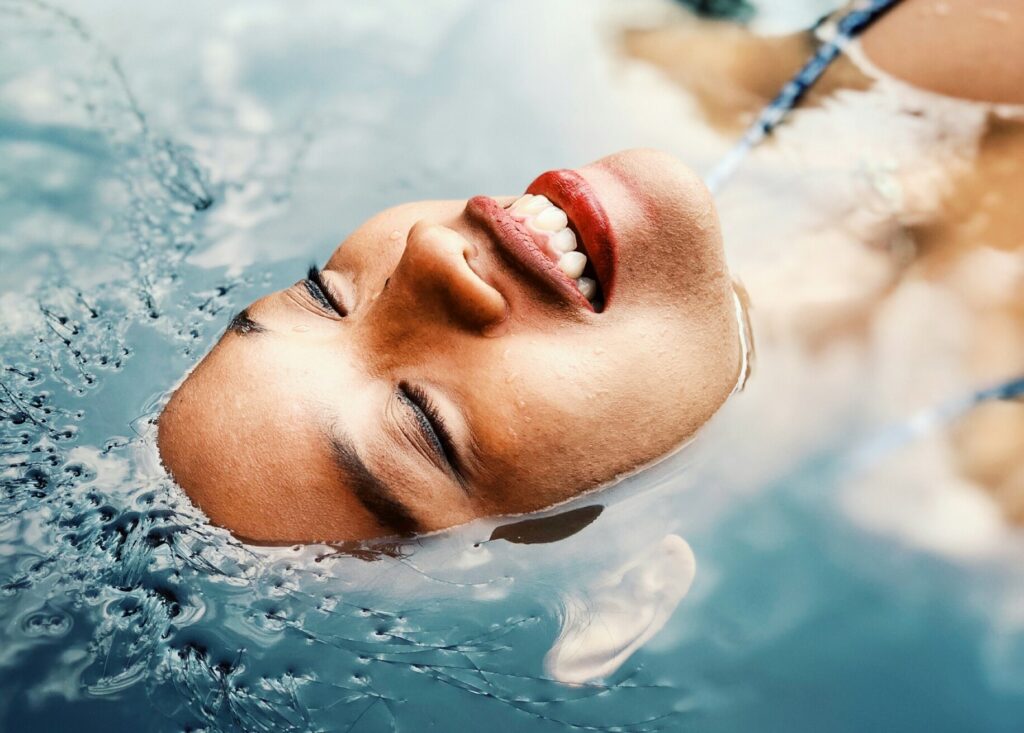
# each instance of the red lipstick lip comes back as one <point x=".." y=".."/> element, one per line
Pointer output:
<point x="516" y="243"/>
<point x="570" y="192"/>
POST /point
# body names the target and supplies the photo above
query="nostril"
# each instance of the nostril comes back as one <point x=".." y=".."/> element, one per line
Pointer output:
<point x="444" y="268"/>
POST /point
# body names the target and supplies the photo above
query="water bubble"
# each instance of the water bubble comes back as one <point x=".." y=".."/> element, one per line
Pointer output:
<point x="46" y="622"/>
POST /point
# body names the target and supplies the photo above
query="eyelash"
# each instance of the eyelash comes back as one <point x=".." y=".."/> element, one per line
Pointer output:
<point x="318" y="291"/>
<point x="430" y="418"/>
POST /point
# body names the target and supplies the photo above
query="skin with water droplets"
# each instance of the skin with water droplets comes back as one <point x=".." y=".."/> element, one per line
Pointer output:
<point x="439" y="308"/>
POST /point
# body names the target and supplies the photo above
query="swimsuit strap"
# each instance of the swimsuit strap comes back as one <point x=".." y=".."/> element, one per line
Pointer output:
<point x="849" y="27"/>
<point x="917" y="426"/>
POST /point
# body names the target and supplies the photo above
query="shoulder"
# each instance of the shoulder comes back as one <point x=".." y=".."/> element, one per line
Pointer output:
<point x="972" y="49"/>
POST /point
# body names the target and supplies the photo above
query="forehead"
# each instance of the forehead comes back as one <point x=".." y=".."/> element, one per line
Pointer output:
<point x="242" y="398"/>
<point x="252" y="446"/>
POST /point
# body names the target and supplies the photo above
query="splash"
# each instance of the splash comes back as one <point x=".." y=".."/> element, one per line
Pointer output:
<point x="114" y="587"/>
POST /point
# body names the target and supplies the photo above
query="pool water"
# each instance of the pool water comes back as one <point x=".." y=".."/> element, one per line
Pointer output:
<point x="162" y="166"/>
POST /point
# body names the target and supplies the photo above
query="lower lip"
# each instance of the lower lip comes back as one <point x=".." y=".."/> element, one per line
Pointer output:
<point x="569" y="191"/>
<point x="517" y="243"/>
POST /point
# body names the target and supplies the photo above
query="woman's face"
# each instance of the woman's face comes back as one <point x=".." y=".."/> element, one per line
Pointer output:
<point x="445" y="364"/>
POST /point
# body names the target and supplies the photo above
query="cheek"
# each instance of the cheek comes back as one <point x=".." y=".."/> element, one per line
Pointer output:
<point x="558" y="415"/>
<point x="624" y="393"/>
<point x="368" y="258"/>
<point x="552" y="395"/>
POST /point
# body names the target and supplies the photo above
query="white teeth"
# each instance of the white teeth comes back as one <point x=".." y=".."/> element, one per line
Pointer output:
<point x="587" y="286"/>
<point x="572" y="264"/>
<point x="551" y="219"/>
<point x="537" y="204"/>
<point x="521" y="202"/>
<point x="544" y="217"/>
<point x="563" y="241"/>
<point x="530" y="204"/>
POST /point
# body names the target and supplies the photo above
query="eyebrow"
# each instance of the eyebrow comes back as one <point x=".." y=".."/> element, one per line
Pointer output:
<point x="243" y="324"/>
<point x="376" y="496"/>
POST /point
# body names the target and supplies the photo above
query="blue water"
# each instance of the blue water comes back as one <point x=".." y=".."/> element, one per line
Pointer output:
<point x="161" y="166"/>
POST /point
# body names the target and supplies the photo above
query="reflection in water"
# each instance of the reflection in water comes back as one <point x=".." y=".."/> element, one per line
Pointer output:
<point x="550" y="528"/>
<point x="848" y="27"/>
<point x="605" y="622"/>
<point x="125" y="253"/>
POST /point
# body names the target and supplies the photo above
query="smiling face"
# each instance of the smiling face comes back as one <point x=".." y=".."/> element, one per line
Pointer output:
<point x="447" y="364"/>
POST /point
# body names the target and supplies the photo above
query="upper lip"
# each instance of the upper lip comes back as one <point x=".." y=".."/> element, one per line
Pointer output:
<point x="568" y="191"/>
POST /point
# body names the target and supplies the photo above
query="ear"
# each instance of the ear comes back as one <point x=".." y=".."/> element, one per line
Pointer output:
<point x="552" y="528"/>
<point x="603" y="625"/>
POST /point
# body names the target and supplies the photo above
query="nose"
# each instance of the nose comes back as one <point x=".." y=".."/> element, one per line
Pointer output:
<point x="434" y="278"/>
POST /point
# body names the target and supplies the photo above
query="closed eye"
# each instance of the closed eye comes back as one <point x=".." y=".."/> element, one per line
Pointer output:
<point x="432" y="425"/>
<point x="321" y="293"/>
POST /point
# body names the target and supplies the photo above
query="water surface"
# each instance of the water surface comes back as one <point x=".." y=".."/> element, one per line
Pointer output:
<point x="162" y="166"/>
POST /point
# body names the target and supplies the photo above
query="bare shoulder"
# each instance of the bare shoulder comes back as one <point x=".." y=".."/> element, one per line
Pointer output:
<point x="972" y="49"/>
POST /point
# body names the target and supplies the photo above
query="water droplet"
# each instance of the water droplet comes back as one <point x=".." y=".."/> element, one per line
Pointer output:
<point x="395" y="236"/>
<point x="300" y="328"/>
